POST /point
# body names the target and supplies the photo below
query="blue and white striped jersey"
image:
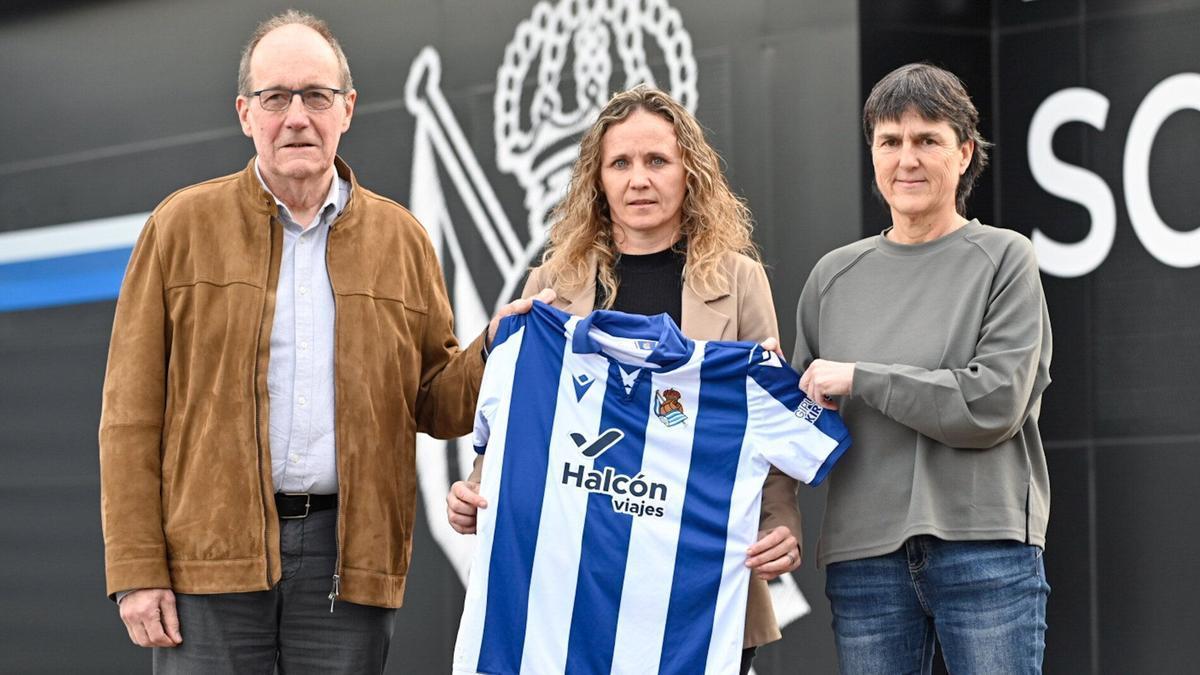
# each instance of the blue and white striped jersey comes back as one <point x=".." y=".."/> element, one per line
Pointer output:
<point x="624" y="472"/>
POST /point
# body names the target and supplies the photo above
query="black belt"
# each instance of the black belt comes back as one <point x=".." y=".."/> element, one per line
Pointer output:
<point x="300" y="504"/>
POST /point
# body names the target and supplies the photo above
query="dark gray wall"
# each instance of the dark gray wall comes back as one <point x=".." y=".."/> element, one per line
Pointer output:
<point x="113" y="105"/>
<point x="1120" y="420"/>
<point x="1126" y="442"/>
<point x="121" y="103"/>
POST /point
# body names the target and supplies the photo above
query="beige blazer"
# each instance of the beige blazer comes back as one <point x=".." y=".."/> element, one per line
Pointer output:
<point x="742" y="310"/>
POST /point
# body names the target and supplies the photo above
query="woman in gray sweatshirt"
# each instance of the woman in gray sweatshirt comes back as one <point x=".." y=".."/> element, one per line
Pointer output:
<point x="933" y="340"/>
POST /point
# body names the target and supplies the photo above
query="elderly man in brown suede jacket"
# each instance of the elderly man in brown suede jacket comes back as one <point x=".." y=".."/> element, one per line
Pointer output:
<point x="281" y="336"/>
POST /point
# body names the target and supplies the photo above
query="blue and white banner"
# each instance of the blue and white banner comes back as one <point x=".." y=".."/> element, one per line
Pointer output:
<point x="66" y="264"/>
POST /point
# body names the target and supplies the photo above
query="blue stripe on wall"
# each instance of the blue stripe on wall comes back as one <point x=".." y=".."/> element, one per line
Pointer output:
<point x="606" y="532"/>
<point x="66" y="280"/>
<point x="531" y="417"/>
<point x="700" y="556"/>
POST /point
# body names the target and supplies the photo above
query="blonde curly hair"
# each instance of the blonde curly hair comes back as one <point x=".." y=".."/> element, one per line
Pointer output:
<point x="714" y="220"/>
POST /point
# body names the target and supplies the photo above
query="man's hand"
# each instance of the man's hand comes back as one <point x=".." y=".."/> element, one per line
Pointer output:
<point x="462" y="505"/>
<point x="546" y="295"/>
<point x="776" y="552"/>
<point x="150" y="617"/>
<point x="825" y="379"/>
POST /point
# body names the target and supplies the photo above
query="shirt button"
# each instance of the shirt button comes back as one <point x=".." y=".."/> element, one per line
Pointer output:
<point x="295" y="458"/>
<point x="303" y="345"/>
<point x="304" y="290"/>
<point x="303" y="401"/>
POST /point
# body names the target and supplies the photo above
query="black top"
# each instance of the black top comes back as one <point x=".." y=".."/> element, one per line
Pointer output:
<point x="649" y="284"/>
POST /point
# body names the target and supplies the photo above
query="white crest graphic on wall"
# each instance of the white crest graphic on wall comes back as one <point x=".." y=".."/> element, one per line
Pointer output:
<point x="590" y="49"/>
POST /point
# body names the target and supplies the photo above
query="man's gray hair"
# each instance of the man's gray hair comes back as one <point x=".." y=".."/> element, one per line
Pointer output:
<point x="292" y="16"/>
<point x="939" y="96"/>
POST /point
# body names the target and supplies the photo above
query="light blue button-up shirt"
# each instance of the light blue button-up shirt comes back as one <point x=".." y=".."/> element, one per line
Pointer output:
<point x="300" y="374"/>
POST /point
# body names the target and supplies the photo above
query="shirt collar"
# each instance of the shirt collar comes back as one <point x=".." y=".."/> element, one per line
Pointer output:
<point x="336" y="197"/>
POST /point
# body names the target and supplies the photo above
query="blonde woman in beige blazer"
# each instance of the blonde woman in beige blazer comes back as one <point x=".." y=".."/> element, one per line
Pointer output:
<point x="647" y="182"/>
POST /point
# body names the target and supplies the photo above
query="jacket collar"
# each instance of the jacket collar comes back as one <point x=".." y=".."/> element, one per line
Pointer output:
<point x="254" y="193"/>
<point x="701" y="316"/>
<point x="583" y="300"/>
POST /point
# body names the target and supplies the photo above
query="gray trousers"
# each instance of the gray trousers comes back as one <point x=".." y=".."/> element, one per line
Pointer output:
<point x="288" y="629"/>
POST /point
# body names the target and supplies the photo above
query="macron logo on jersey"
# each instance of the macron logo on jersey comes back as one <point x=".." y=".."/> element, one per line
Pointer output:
<point x="582" y="383"/>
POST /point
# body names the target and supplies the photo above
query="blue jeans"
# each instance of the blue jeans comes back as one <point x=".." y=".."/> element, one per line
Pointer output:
<point x="983" y="601"/>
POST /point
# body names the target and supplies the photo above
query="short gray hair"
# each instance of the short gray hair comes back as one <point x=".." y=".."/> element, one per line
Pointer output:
<point x="939" y="96"/>
<point x="290" y="17"/>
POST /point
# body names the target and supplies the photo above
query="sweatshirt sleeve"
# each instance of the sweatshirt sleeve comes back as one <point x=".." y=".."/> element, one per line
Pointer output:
<point x="985" y="402"/>
<point x="808" y="315"/>
<point x="131" y="426"/>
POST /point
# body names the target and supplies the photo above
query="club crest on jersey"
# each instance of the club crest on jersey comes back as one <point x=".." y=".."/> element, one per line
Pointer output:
<point x="808" y="411"/>
<point x="582" y="383"/>
<point x="668" y="407"/>
<point x="632" y="495"/>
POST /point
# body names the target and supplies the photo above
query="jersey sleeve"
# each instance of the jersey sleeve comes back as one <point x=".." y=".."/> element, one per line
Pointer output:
<point x="497" y="377"/>
<point x="788" y="429"/>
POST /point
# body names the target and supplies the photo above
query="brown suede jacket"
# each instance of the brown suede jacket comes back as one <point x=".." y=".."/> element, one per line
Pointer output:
<point x="186" y="489"/>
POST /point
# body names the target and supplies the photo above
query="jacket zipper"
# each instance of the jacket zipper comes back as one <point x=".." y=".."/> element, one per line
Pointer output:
<point x="337" y="587"/>
<point x="254" y="387"/>
<point x="336" y="590"/>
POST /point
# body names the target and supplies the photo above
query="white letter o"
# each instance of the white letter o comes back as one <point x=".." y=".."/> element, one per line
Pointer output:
<point x="1174" y="248"/>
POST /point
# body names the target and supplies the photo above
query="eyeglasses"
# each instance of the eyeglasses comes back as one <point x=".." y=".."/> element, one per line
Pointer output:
<point x="314" y="98"/>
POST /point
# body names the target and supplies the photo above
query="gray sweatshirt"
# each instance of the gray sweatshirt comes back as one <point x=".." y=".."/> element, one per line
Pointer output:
<point x="951" y="340"/>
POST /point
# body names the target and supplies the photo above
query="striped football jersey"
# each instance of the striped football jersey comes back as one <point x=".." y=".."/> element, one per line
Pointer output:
<point x="623" y="471"/>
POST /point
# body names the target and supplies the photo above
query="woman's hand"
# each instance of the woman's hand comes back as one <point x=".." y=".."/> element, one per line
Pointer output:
<point x="823" y="380"/>
<point x="462" y="506"/>
<point x="776" y="552"/>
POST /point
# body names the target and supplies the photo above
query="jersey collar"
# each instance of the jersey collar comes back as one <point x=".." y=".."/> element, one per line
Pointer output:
<point x="672" y="348"/>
